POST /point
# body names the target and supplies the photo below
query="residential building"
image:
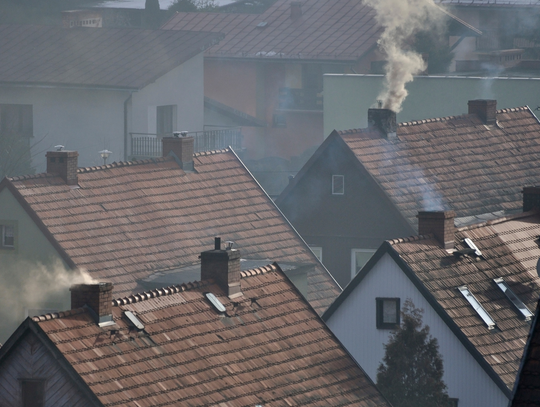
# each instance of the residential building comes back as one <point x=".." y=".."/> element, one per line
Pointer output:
<point x="126" y="221"/>
<point x="94" y="89"/>
<point x="233" y="339"/>
<point x="364" y="186"/>
<point x="477" y="285"/>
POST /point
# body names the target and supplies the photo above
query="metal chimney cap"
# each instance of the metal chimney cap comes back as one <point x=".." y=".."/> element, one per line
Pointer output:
<point x="59" y="147"/>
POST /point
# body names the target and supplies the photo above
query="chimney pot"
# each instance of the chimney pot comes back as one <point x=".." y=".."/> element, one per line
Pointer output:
<point x="296" y="10"/>
<point x="485" y="109"/>
<point x="222" y="266"/>
<point x="97" y="297"/>
<point x="384" y="120"/>
<point x="440" y="224"/>
<point x="64" y="164"/>
<point x="531" y="198"/>
<point x="181" y="148"/>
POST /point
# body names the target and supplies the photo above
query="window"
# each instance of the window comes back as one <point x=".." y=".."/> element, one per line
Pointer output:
<point x="522" y="308"/>
<point x="338" y="184"/>
<point x="317" y="251"/>
<point x="359" y="257"/>
<point x="482" y="313"/>
<point x="33" y="392"/>
<point x="453" y="402"/>
<point x="388" y="316"/>
<point x="8" y="234"/>
<point x="166" y="120"/>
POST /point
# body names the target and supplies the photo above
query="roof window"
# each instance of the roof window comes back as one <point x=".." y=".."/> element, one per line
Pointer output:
<point x="472" y="246"/>
<point x="215" y="302"/>
<point x="134" y="320"/>
<point x="477" y="307"/>
<point x="522" y="308"/>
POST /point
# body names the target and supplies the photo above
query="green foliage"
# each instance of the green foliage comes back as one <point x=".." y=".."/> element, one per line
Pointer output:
<point x="15" y="157"/>
<point x="412" y="369"/>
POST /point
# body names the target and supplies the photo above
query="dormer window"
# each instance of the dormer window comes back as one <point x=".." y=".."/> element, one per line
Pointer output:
<point x="338" y="184"/>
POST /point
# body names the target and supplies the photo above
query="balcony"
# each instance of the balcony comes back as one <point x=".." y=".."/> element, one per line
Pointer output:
<point x="145" y="145"/>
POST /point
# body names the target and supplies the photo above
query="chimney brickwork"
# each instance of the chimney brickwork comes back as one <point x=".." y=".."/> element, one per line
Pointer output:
<point x="64" y="164"/>
<point x="98" y="297"/>
<point x="385" y="120"/>
<point x="440" y="224"/>
<point x="531" y="198"/>
<point x="183" y="149"/>
<point x="296" y="10"/>
<point x="222" y="266"/>
<point x="485" y="109"/>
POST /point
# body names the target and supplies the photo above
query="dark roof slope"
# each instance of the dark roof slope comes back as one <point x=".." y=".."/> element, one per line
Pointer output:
<point x="328" y="30"/>
<point x="269" y="348"/>
<point x="453" y="163"/>
<point x="104" y="57"/>
<point x="128" y="220"/>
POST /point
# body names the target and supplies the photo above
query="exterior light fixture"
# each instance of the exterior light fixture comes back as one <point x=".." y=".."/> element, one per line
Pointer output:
<point x="105" y="154"/>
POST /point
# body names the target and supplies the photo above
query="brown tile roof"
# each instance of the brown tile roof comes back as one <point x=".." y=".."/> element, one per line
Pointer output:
<point x="510" y="249"/>
<point x="105" y="57"/>
<point x="489" y="3"/>
<point x="337" y="30"/>
<point x="128" y="220"/>
<point x="453" y="163"/>
<point x="270" y="348"/>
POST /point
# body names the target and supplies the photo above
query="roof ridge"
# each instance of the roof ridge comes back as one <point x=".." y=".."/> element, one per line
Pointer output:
<point x="117" y="164"/>
<point x="498" y="220"/>
<point x="57" y="315"/>
<point x="412" y="238"/>
<point x="211" y="152"/>
<point x="32" y="176"/>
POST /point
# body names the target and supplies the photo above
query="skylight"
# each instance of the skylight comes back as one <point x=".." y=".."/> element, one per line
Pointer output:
<point x="134" y="320"/>
<point x="477" y="306"/>
<point x="215" y="302"/>
<point x="526" y="312"/>
<point x="471" y="245"/>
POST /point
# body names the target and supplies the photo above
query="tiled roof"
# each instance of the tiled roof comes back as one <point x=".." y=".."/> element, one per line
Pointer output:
<point x="510" y="249"/>
<point x="328" y="30"/>
<point x="128" y="220"/>
<point x="269" y="348"/>
<point x="106" y="57"/>
<point x="489" y="3"/>
<point x="453" y="163"/>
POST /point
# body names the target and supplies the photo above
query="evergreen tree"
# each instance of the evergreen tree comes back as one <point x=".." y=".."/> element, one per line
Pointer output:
<point x="412" y="369"/>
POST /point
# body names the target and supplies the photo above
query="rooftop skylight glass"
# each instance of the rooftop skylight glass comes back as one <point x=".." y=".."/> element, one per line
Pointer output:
<point x="477" y="307"/>
<point x="526" y="312"/>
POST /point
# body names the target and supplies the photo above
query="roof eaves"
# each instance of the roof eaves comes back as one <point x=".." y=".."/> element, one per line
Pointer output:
<point x="68" y="86"/>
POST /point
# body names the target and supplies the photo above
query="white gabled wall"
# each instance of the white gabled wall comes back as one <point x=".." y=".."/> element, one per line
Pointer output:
<point x="354" y="323"/>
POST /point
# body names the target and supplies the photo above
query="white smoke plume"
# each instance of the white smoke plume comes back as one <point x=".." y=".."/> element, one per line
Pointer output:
<point x="401" y="19"/>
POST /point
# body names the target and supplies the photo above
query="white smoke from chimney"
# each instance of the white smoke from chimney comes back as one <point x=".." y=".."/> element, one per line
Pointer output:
<point x="401" y="19"/>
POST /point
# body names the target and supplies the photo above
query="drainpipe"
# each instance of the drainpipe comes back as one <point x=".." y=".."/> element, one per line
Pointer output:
<point x="126" y="126"/>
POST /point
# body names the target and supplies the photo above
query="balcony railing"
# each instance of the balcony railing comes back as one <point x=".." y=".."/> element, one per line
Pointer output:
<point x="146" y="145"/>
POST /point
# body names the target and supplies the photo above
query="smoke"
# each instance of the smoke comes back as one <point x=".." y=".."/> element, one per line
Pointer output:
<point x="401" y="19"/>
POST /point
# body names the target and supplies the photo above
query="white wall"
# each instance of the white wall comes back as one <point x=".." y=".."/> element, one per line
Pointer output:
<point x="347" y="98"/>
<point x="354" y="323"/>
<point x="84" y="120"/>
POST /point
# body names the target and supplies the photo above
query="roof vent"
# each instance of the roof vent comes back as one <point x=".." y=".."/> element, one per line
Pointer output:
<point x="215" y="302"/>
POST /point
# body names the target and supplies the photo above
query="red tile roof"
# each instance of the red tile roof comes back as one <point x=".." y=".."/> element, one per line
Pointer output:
<point x="453" y="163"/>
<point x="128" y="220"/>
<point x="270" y="348"/>
<point x="510" y="250"/>
<point x="337" y="30"/>
<point x="104" y="57"/>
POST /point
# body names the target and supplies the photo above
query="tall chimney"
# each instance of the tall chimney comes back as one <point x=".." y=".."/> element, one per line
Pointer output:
<point x="384" y="120"/>
<point x="296" y="10"/>
<point x="440" y="223"/>
<point x="485" y="109"/>
<point x="98" y="297"/>
<point x="64" y="164"/>
<point x="181" y="148"/>
<point x="531" y="198"/>
<point x="223" y="266"/>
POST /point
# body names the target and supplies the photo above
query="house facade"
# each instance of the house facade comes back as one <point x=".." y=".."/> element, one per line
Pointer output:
<point x="477" y="286"/>
<point x="100" y="88"/>
<point x="364" y="186"/>
<point x="234" y="338"/>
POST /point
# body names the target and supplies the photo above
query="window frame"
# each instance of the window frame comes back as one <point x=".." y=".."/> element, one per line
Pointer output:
<point x="354" y="272"/>
<point x="334" y="177"/>
<point x="25" y="402"/>
<point x="379" y="313"/>
<point x="162" y="120"/>
<point x="11" y="224"/>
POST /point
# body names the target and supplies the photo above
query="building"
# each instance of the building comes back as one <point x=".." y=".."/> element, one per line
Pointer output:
<point x="363" y="186"/>
<point x="233" y="339"/>
<point x="126" y="221"/>
<point x="478" y="287"/>
<point x="95" y="89"/>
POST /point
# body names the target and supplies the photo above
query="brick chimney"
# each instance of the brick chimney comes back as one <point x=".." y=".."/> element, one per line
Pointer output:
<point x="531" y="198"/>
<point x="296" y="10"/>
<point x="485" y="109"/>
<point x="439" y="223"/>
<point x="384" y="120"/>
<point x="97" y="297"/>
<point x="64" y="164"/>
<point x="223" y="266"/>
<point x="181" y="148"/>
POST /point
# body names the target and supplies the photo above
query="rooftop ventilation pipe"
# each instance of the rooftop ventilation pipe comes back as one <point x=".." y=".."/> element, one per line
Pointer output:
<point x="222" y="266"/>
<point x="440" y="224"/>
